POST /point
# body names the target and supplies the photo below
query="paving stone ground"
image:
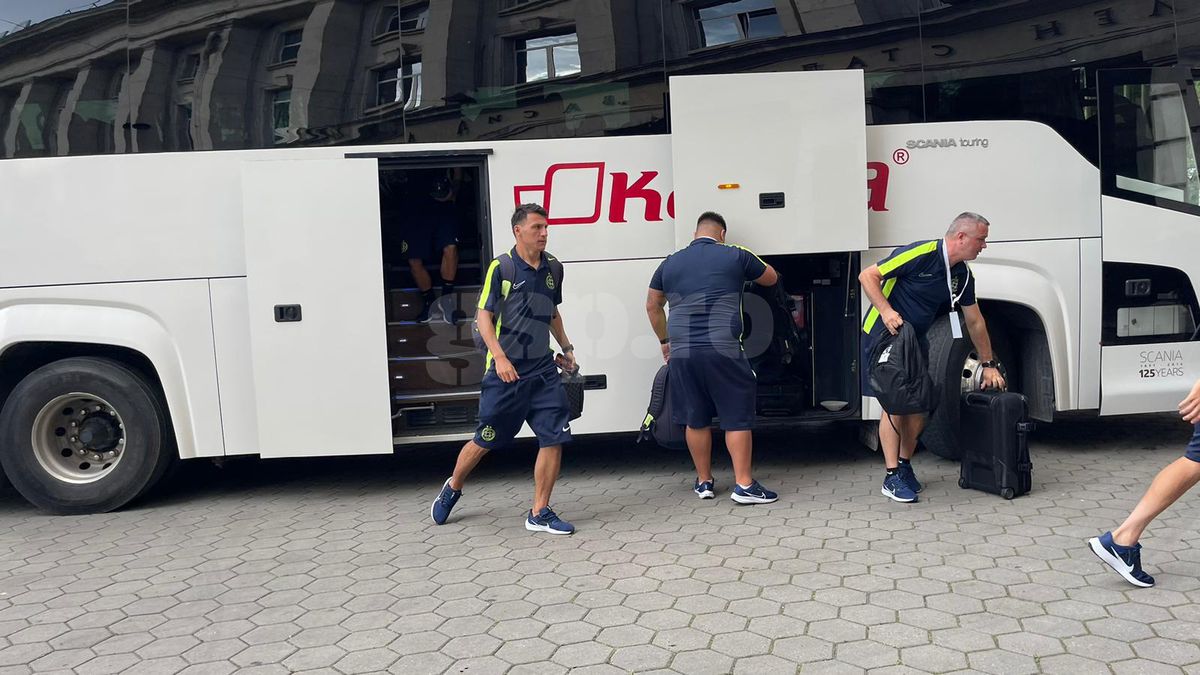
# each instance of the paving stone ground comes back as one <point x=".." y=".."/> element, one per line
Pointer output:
<point x="332" y="566"/>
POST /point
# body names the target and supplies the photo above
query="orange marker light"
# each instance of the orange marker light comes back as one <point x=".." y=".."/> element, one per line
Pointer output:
<point x="728" y="186"/>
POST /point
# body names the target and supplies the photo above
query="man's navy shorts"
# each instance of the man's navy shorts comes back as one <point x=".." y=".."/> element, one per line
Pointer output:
<point x="425" y="239"/>
<point x="864" y="370"/>
<point x="706" y="383"/>
<point x="1193" y="447"/>
<point x="537" y="398"/>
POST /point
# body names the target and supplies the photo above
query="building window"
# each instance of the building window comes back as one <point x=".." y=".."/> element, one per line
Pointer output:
<point x="289" y="45"/>
<point x="546" y="58"/>
<point x="395" y="84"/>
<point x="403" y="19"/>
<point x="727" y="22"/>
<point x="281" y="114"/>
<point x="191" y="67"/>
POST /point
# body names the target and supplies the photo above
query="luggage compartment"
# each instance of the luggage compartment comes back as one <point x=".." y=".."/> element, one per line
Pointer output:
<point x="810" y="369"/>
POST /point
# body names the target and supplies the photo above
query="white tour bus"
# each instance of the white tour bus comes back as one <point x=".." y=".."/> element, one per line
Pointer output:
<point x="158" y="307"/>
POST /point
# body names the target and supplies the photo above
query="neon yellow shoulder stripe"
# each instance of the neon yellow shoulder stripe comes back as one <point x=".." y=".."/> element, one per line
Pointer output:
<point x="747" y="251"/>
<point x="487" y="284"/>
<point x="908" y="256"/>
<point x="873" y="315"/>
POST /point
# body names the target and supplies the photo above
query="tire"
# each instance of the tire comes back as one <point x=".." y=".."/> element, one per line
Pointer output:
<point x="63" y="416"/>
<point x="947" y="357"/>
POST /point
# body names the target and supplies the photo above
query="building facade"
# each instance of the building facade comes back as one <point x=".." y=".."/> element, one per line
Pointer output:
<point x="177" y="75"/>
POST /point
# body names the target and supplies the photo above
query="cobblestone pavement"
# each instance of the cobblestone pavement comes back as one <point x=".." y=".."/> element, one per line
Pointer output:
<point x="332" y="565"/>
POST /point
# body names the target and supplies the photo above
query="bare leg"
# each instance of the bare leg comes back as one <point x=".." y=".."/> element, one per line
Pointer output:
<point x="889" y="439"/>
<point x="912" y="427"/>
<point x="1169" y="485"/>
<point x="468" y="459"/>
<point x="545" y="472"/>
<point x="420" y="274"/>
<point x="741" y="444"/>
<point x="699" y="442"/>
<point x="449" y="263"/>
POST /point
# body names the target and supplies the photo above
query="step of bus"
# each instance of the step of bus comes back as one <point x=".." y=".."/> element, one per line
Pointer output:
<point x="437" y="338"/>
<point x="437" y="416"/>
<point x="435" y="373"/>
<point x="404" y="304"/>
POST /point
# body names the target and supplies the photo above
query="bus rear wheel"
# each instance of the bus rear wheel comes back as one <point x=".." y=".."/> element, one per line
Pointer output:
<point x="84" y="435"/>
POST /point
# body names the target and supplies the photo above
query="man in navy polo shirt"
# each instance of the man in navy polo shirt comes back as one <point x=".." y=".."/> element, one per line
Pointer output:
<point x="917" y="283"/>
<point x="709" y="373"/>
<point x="521" y="382"/>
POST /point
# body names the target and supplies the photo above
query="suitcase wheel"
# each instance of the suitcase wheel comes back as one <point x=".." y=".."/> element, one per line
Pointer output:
<point x="1008" y="493"/>
<point x="962" y="483"/>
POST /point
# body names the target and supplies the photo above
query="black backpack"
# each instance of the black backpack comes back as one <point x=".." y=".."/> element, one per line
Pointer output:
<point x="899" y="374"/>
<point x="508" y="274"/>
<point x="782" y="354"/>
<point x="657" y="424"/>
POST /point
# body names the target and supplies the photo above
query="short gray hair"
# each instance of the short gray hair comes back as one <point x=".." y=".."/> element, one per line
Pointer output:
<point x="965" y="219"/>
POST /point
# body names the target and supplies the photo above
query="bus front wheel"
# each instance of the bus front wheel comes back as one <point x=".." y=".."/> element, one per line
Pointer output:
<point x="955" y="366"/>
<point x="84" y="435"/>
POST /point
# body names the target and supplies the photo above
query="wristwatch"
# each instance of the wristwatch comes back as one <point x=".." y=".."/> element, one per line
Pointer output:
<point x="568" y="348"/>
<point x="663" y="341"/>
<point x="994" y="363"/>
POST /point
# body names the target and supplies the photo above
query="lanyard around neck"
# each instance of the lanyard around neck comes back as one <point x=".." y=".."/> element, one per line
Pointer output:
<point x="950" y="277"/>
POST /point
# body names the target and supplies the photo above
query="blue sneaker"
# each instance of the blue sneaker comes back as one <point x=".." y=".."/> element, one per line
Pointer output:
<point x="548" y="521"/>
<point x="445" y="501"/>
<point x="705" y="490"/>
<point x="755" y="494"/>
<point x="1125" y="560"/>
<point x="896" y="488"/>
<point x="910" y="477"/>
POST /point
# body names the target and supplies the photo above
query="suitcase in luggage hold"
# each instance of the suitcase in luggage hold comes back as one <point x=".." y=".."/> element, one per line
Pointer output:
<point x="995" y="429"/>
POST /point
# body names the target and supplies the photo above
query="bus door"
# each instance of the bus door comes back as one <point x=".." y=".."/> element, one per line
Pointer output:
<point x="782" y="156"/>
<point x="1150" y="356"/>
<point x="315" y="286"/>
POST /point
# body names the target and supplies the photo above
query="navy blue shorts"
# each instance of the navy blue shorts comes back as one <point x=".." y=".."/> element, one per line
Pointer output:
<point x="1193" y="447"/>
<point x="538" y="399"/>
<point x="425" y="238"/>
<point x="864" y="369"/>
<point x="706" y="383"/>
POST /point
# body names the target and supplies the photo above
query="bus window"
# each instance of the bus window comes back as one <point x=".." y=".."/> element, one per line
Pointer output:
<point x="1148" y="119"/>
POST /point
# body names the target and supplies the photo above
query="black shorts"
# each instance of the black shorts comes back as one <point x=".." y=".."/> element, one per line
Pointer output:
<point x="706" y="383"/>
<point x="426" y="238"/>
<point x="868" y="344"/>
<point x="537" y="398"/>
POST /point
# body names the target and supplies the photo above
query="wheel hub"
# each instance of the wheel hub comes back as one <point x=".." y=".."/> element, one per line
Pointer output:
<point x="972" y="373"/>
<point x="78" y="438"/>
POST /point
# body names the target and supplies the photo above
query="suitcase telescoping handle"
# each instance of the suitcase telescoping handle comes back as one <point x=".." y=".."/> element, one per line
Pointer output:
<point x="976" y="397"/>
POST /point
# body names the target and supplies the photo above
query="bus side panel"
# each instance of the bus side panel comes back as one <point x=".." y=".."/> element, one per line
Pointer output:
<point x="168" y="322"/>
<point x="608" y="198"/>
<point x="1149" y="377"/>
<point x="235" y="369"/>
<point x="121" y="218"/>
<point x="1091" y="273"/>
<point x="1022" y="176"/>
<point x="604" y="315"/>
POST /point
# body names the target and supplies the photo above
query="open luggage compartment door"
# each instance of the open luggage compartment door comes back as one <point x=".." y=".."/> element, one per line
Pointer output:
<point x="782" y="156"/>
<point x="314" y="277"/>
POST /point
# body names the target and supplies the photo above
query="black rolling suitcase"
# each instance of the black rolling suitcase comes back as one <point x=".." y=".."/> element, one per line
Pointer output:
<point x="995" y="430"/>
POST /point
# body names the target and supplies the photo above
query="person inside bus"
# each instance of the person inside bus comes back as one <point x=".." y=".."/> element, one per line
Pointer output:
<point x="708" y="371"/>
<point x="920" y="278"/>
<point x="1119" y="548"/>
<point x="433" y="233"/>
<point x="521" y="382"/>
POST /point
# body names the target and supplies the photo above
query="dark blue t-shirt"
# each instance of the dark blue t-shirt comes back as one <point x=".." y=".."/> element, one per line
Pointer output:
<point x="703" y="284"/>
<point x="525" y="314"/>
<point x="914" y="282"/>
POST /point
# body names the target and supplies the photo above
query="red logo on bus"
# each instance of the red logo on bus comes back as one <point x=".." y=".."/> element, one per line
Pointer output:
<point x="589" y="179"/>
